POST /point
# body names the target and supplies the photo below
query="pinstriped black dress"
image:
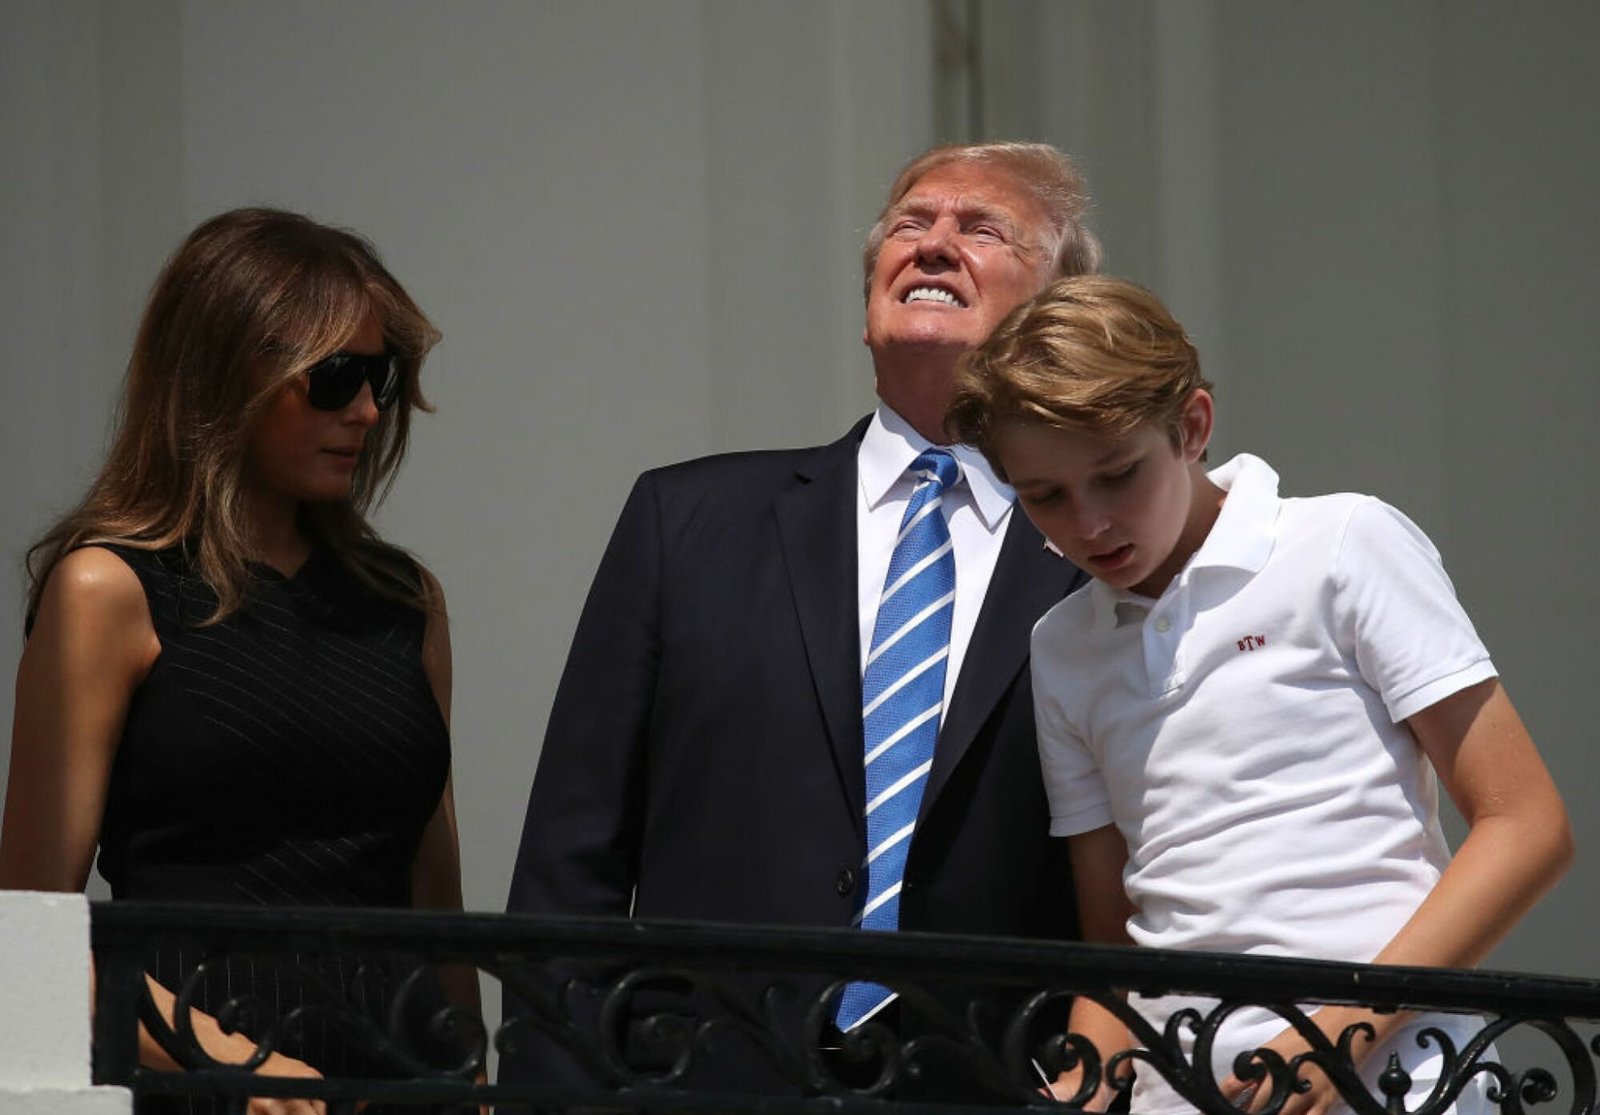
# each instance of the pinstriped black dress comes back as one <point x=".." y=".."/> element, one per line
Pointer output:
<point x="290" y="755"/>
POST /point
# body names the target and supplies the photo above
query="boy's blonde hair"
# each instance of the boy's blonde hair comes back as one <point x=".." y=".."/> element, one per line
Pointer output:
<point x="1089" y="353"/>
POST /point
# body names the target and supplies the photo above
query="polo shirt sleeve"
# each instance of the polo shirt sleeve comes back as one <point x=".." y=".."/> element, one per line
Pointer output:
<point x="1395" y="606"/>
<point x="1077" y="794"/>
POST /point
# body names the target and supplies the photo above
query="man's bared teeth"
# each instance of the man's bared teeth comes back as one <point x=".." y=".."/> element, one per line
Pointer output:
<point x="932" y="294"/>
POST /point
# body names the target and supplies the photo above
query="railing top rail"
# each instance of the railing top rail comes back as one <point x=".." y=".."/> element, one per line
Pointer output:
<point x="1071" y="966"/>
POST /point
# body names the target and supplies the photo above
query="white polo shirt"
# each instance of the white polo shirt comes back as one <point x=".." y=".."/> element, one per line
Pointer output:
<point x="1244" y="731"/>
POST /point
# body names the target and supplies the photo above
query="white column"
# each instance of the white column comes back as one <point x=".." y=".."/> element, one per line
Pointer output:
<point x="44" y="1009"/>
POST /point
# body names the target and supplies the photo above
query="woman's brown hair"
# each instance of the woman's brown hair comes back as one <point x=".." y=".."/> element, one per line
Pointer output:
<point x="251" y="291"/>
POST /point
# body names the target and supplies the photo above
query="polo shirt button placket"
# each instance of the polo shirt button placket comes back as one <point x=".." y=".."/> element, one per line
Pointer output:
<point x="1162" y="664"/>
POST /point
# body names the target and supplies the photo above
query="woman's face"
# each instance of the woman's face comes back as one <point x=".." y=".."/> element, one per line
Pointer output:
<point x="300" y="454"/>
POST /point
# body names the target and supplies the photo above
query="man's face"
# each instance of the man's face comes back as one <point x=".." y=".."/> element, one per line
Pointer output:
<point x="963" y="248"/>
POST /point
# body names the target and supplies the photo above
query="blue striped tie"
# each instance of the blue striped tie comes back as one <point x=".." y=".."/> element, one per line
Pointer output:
<point x="903" y="697"/>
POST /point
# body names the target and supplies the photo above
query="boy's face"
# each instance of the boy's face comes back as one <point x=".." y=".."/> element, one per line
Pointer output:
<point x="1130" y="510"/>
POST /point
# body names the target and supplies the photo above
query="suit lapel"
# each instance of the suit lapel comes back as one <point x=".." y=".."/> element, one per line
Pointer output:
<point x="1027" y="582"/>
<point x="817" y="529"/>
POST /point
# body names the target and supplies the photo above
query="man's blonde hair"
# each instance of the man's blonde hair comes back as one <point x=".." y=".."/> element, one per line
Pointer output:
<point x="1088" y="353"/>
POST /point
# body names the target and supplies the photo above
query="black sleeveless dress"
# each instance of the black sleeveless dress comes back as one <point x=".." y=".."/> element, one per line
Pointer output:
<point x="290" y="755"/>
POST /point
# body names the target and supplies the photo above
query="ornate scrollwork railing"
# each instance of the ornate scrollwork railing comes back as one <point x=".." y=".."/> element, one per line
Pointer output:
<point x="630" y="1017"/>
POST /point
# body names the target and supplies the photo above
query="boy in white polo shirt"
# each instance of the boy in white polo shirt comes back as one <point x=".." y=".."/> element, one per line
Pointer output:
<point x="1241" y="719"/>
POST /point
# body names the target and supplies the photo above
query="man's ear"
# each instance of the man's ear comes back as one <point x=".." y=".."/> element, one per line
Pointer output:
<point x="1195" y="423"/>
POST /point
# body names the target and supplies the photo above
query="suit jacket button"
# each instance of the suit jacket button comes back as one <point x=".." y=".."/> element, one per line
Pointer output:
<point x="845" y="882"/>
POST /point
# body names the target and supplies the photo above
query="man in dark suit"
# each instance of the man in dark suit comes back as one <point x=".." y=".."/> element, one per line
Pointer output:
<point x="705" y="753"/>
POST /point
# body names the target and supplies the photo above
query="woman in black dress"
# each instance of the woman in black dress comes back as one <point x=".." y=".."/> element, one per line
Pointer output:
<point x="231" y="685"/>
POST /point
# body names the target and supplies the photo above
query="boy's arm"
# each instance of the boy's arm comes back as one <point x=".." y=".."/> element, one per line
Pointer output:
<point x="1518" y="844"/>
<point x="1098" y="859"/>
<point x="1519" y="841"/>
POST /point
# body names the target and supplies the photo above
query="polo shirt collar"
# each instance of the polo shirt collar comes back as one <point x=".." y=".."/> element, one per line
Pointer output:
<point x="890" y="445"/>
<point x="1241" y="538"/>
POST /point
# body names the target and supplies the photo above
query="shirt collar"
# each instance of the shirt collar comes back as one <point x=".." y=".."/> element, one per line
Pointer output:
<point x="1241" y="538"/>
<point x="890" y="445"/>
<point x="1244" y="532"/>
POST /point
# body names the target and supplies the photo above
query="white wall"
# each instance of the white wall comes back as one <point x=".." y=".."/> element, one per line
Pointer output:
<point x="637" y="225"/>
<point x="44" y="1015"/>
<point x="636" y="222"/>
<point x="1375" y="219"/>
<point x="632" y="221"/>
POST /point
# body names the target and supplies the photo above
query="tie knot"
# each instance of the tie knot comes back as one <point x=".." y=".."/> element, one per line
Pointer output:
<point x="936" y="465"/>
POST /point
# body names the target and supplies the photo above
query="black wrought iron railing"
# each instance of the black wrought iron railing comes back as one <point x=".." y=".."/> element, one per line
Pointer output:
<point x="632" y="1017"/>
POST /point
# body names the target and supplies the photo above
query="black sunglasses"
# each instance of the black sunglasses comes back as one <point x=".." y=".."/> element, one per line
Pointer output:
<point x="334" y="381"/>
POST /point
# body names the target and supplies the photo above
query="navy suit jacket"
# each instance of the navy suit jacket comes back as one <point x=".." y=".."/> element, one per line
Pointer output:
<point x="703" y="758"/>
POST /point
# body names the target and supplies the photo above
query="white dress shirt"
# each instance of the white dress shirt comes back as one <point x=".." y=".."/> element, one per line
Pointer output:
<point x="977" y="510"/>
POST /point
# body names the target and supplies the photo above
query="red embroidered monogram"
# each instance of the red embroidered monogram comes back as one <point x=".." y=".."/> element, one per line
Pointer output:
<point x="1252" y="642"/>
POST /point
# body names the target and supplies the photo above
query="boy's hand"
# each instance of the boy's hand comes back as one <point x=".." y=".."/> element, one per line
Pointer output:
<point x="1253" y="1095"/>
<point x="1066" y="1086"/>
